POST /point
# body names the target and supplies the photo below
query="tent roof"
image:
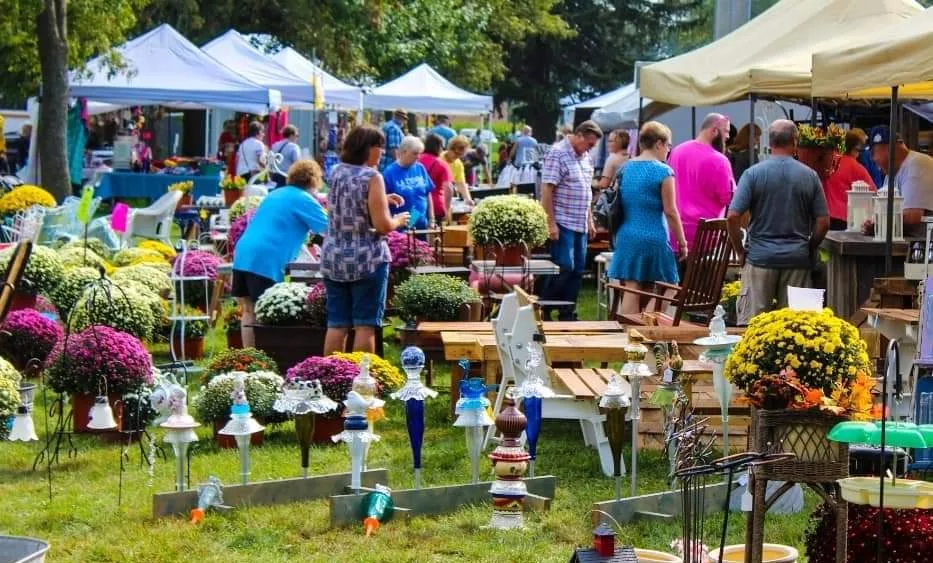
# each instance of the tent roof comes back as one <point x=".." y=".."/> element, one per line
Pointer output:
<point x="336" y="92"/>
<point x="606" y="99"/>
<point x="164" y="67"/>
<point x="234" y="51"/>
<point x="423" y="90"/>
<point x="623" y="111"/>
<point x="771" y="54"/>
<point x="898" y="55"/>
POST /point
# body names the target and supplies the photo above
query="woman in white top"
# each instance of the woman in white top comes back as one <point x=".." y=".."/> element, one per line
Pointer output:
<point x="290" y="151"/>
<point x="618" y="147"/>
<point x="251" y="156"/>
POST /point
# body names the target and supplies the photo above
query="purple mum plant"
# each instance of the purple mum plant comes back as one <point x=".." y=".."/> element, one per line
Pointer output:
<point x="237" y="228"/>
<point x="407" y="251"/>
<point x="78" y="362"/>
<point x="28" y="334"/>
<point x="316" y="304"/>
<point x="196" y="263"/>
<point x="336" y="375"/>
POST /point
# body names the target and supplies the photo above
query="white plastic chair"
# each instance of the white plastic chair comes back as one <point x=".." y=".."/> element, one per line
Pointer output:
<point x="27" y="225"/>
<point x="153" y="222"/>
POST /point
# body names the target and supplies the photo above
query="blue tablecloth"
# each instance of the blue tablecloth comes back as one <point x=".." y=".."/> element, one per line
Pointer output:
<point x="152" y="186"/>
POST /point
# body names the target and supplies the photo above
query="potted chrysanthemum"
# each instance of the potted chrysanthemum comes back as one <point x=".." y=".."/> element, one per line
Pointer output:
<point x="232" y="187"/>
<point x="193" y="273"/>
<point x="212" y="404"/>
<point x="187" y="337"/>
<point x="42" y="274"/>
<point x="291" y="322"/>
<point x="238" y="359"/>
<point x="510" y="225"/>
<point x="336" y="377"/>
<point x="26" y="335"/>
<point x="97" y="360"/>
<point x="233" y="324"/>
<point x="802" y="371"/>
<point x="129" y="307"/>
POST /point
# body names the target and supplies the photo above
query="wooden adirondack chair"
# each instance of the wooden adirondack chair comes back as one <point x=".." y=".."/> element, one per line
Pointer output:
<point x="702" y="283"/>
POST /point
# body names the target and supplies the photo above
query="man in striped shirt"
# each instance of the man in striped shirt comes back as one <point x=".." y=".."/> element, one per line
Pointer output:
<point x="566" y="193"/>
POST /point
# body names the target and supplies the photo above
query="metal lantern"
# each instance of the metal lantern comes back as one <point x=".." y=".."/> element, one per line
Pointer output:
<point x="880" y="213"/>
<point x="859" y="206"/>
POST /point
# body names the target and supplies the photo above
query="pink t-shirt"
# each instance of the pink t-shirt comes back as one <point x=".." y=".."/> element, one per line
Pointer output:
<point x="704" y="185"/>
<point x="440" y="175"/>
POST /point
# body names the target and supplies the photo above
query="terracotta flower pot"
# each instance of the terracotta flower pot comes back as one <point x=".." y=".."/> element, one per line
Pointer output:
<point x="324" y="428"/>
<point x="23" y="300"/>
<point x="81" y="404"/>
<point x="229" y="442"/>
<point x="510" y="255"/>
<point x="235" y="339"/>
<point x="188" y="348"/>
<point x="230" y="196"/>
<point x="821" y="159"/>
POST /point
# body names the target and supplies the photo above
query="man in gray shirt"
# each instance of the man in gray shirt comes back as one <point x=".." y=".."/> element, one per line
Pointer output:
<point x="789" y="219"/>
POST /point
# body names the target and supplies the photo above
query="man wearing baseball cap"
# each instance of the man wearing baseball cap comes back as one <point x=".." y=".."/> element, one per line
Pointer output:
<point x="394" y="132"/>
<point x="913" y="174"/>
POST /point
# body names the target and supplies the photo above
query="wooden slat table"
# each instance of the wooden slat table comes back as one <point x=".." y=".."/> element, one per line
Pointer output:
<point x="855" y="260"/>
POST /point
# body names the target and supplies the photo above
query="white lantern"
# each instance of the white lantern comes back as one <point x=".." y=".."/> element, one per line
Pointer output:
<point x="859" y="207"/>
<point x="880" y="212"/>
<point x="101" y="415"/>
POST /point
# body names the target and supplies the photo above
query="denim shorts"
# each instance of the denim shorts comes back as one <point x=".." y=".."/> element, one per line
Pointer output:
<point x="358" y="303"/>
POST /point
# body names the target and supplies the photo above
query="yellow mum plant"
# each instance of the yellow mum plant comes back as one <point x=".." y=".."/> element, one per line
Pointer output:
<point x="384" y="372"/>
<point x="183" y="187"/>
<point x="823" y="350"/>
<point x="24" y="197"/>
<point x="165" y="250"/>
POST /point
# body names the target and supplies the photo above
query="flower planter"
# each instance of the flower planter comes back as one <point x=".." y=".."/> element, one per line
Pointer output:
<point x="184" y="201"/>
<point x="23" y="300"/>
<point x="188" y="348"/>
<point x="324" y="428"/>
<point x="510" y="255"/>
<point x="821" y="159"/>
<point x="235" y="339"/>
<point x="230" y="196"/>
<point x="771" y="553"/>
<point x="289" y="345"/>
<point x="803" y="433"/>
<point x="229" y="442"/>
<point x="81" y="404"/>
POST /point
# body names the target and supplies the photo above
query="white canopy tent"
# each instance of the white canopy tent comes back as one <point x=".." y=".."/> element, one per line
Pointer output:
<point x="336" y="92"/>
<point x="235" y="52"/>
<point x="423" y="90"/>
<point x="165" y="68"/>
<point x="771" y="54"/>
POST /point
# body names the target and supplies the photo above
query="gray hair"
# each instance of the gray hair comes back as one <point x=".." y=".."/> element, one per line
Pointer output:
<point x="526" y="130"/>
<point x="782" y="133"/>
<point x="411" y="143"/>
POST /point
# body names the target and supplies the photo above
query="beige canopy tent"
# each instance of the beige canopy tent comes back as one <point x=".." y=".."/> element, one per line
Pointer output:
<point x="772" y="54"/>
<point x="898" y="55"/>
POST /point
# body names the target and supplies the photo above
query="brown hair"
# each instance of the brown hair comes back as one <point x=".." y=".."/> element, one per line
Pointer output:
<point x="358" y="142"/>
<point x="742" y="141"/>
<point x="855" y="137"/>
<point x="589" y="127"/>
<point x="289" y="130"/>
<point x="652" y="132"/>
<point x="623" y="137"/>
<point x="255" y="128"/>
<point x="434" y="144"/>
<point x="305" y="174"/>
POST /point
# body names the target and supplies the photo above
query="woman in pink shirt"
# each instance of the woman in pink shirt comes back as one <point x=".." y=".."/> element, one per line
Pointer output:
<point x="440" y="174"/>
<point x="704" y="176"/>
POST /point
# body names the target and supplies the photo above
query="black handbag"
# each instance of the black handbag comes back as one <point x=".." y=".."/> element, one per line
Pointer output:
<point x="607" y="212"/>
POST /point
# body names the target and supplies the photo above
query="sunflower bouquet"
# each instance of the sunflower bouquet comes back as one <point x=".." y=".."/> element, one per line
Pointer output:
<point x="803" y="360"/>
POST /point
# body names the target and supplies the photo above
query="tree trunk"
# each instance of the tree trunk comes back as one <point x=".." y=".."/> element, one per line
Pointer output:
<point x="53" y="111"/>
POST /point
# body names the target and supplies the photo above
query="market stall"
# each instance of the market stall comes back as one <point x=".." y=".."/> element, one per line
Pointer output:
<point x="336" y="92"/>
<point x="167" y="70"/>
<point x="423" y="90"/>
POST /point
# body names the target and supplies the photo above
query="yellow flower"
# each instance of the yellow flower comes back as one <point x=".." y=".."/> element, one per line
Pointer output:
<point x="24" y="197"/>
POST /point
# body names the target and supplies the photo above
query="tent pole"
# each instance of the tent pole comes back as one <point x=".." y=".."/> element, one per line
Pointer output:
<point x="812" y="112"/>
<point x="751" y="130"/>
<point x="641" y="103"/>
<point x="892" y="184"/>
<point x="693" y="122"/>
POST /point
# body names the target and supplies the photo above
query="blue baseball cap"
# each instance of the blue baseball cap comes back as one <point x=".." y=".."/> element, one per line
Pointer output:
<point x="880" y="135"/>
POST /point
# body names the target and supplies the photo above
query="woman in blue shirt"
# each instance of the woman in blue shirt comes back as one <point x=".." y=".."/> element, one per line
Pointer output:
<point x="407" y="178"/>
<point x="274" y="237"/>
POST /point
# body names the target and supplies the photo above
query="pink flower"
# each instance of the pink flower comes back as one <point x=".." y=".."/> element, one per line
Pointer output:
<point x="80" y="362"/>
<point x="29" y="334"/>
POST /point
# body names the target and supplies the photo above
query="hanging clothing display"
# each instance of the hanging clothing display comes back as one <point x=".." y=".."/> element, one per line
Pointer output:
<point x="77" y="139"/>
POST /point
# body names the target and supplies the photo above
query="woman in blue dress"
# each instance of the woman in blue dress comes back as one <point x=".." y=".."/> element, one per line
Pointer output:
<point x="643" y="253"/>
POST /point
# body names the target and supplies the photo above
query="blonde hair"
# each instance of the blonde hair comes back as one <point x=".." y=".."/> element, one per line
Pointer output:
<point x="457" y="143"/>
<point x="305" y="174"/>
<point x="652" y="132"/>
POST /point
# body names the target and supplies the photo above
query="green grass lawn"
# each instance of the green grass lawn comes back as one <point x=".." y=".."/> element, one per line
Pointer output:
<point x="84" y="523"/>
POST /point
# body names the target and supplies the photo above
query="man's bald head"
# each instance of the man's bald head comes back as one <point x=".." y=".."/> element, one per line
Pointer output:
<point x="783" y="134"/>
<point x="714" y="120"/>
<point x="714" y="131"/>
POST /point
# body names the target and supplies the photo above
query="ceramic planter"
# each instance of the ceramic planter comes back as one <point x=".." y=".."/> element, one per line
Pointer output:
<point x="230" y="196"/>
<point x="234" y="339"/>
<point x="510" y="255"/>
<point x="188" y="348"/>
<point x="771" y="553"/>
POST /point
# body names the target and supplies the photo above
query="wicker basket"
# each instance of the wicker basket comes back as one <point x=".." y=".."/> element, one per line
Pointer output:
<point x="803" y="433"/>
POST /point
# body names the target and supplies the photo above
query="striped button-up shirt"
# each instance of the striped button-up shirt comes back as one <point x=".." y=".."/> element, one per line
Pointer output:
<point x="394" y="134"/>
<point x="572" y="176"/>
